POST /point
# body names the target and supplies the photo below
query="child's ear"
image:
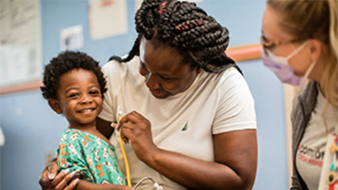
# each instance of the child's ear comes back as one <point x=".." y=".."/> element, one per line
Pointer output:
<point x="55" y="105"/>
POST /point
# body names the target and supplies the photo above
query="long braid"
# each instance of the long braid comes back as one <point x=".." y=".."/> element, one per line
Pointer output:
<point x="134" y="51"/>
<point x="144" y="26"/>
<point x="187" y="28"/>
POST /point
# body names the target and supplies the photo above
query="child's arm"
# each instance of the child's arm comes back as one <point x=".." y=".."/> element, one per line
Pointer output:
<point x="104" y="127"/>
<point x="85" y="185"/>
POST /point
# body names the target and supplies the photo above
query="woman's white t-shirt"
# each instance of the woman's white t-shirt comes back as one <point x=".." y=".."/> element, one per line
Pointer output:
<point x="183" y="123"/>
<point x="311" y="150"/>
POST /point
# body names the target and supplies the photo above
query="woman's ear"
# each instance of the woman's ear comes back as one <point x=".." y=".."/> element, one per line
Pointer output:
<point x="315" y="49"/>
<point x="198" y="70"/>
<point x="55" y="105"/>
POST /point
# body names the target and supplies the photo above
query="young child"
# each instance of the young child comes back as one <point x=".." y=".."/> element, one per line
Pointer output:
<point x="74" y="86"/>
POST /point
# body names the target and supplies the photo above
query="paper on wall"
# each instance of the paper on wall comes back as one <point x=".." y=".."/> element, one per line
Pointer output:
<point x="15" y="63"/>
<point x="5" y="20"/>
<point x="71" y="38"/>
<point x="138" y="4"/>
<point x="107" y="18"/>
<point x="20" y="41"/>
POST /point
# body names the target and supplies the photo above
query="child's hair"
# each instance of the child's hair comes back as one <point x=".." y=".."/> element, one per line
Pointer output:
<point x="199" y="38"/>
<point x="308" y="19"/>
<point x="65" y="62"/>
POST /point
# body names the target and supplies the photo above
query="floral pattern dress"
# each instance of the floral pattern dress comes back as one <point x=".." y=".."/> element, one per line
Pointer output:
<point x="91" y="156"/>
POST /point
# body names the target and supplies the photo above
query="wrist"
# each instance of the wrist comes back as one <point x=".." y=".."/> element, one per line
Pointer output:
<point x="153" y="156"/>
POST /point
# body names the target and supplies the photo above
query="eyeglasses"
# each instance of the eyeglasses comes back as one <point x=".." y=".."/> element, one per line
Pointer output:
<point x="269" y="45"/>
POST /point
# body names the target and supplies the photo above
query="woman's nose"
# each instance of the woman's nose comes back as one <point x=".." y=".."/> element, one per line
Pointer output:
<point x="151" y="81"/>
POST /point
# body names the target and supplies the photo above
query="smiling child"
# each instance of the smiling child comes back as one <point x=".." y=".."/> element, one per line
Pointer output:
<point x="74" y="87"/>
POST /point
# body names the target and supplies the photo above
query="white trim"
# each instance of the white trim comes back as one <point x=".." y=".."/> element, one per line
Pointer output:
<point x="289" y="93"/>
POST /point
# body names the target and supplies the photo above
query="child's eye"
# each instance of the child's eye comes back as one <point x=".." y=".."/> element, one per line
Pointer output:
<point x="74" y="95"/>
<point x="94" y="92"/>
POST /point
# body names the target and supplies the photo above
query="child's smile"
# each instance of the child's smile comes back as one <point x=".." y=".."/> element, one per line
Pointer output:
<point x="79" y="97"/>
<point x="87" y="110"/>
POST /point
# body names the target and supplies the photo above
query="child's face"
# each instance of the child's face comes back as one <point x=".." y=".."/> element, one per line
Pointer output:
<point x="79" y="97"/>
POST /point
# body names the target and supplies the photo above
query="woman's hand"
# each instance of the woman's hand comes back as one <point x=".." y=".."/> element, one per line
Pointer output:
<point x="234" y="166"/>
<point x="50" y="181"/>
<point x="137" y="129"/>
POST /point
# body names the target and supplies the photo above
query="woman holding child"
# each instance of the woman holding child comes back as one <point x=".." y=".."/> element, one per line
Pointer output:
<point x="188" y="113"/>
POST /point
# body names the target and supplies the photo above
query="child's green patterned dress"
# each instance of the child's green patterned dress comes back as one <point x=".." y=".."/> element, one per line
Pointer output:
<point x="90" y="155"/>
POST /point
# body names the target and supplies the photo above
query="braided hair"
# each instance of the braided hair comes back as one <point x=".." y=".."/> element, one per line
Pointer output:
<point x="199" y="38"/>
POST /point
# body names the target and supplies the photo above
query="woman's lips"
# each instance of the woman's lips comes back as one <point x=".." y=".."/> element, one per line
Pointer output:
<point x="156" y="92"/>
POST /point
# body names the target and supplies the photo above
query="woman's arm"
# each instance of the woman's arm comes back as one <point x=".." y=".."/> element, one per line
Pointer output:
<point x="235" y="158"/>
<point x="61" y="180"/>
<point x="234" y="167"/>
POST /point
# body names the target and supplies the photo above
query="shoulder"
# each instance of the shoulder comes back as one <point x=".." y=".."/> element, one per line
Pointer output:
<point x="235" y="106"/>
<point x="309" y="95"/>
<point x="302" y="107"/>
<point x="71" y="135"/>
<point x="116" y="69"/>
<point x="231" y="75"/>
<point x="122" y="75"/>
<point x="304" y="104"/>
<point x="227" y="78"/>
<point x="228" y="85"/>
<point x="231" y="82"/>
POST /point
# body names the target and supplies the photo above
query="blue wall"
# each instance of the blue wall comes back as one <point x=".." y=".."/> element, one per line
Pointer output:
<point x="32" y="128"/>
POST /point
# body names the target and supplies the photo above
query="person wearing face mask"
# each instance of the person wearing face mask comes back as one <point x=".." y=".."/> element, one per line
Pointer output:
<point x="300" y="45"/>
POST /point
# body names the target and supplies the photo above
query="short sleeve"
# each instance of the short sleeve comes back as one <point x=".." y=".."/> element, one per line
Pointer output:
<point x="236" y="109"/>
<point x="70" y="155"/>
<point x="110" y="72"/>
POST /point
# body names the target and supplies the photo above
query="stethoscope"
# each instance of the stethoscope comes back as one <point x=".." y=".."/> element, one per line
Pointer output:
<point x="156" y="185"/>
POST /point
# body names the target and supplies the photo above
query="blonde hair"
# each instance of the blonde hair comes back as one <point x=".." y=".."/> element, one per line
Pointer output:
<point x="314" y="19"/>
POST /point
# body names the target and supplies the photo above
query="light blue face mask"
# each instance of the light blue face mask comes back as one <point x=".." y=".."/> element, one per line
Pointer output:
<point x="280" y="66"/>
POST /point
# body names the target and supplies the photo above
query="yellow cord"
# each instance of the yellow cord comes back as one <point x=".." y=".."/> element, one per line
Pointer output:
<point x="125" y="159"/>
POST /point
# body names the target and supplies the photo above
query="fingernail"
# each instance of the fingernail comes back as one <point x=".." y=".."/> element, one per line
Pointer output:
<point x="72" y="174"/>
<point x="78" y="172"/>
<point x="51" y="176"/>
<point x="76" y="181"/>
<point x="66" y="171"/>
